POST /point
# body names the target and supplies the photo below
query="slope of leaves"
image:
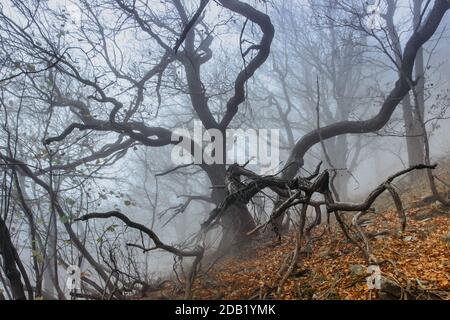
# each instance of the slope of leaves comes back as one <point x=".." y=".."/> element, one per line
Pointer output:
<point x="333" y="268"/>
<point x="418" y="257"/>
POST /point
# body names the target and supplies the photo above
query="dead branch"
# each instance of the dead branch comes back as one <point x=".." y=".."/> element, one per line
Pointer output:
<point x="301" y="190"/>
<point x="158" y="243"/>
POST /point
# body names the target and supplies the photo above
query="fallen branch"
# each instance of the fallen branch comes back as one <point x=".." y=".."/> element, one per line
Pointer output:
<point x="158" y="243"/>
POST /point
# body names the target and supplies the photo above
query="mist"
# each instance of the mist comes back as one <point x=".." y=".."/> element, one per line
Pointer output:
<point x="102" y="169"/>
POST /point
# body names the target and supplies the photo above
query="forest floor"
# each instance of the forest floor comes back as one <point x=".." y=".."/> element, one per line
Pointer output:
<point x="336" y="269"/>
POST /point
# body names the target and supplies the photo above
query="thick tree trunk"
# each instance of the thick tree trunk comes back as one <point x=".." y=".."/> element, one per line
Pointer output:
<point x="237" y="220"/>
<point x="12" y="273"/>
<point x="50" y="264"/>
<point x="419" y="107"/>
<point x="413" y="132"/>
<point x="414" y="144"/>
<point x="338" y="156"/>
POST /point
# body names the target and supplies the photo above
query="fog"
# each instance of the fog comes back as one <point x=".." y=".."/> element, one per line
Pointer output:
<point x="92" y="93"/>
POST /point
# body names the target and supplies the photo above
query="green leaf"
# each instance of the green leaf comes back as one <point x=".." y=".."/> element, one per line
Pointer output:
<point x="38" y="255"/>
<point x="112" y="228"/>
<point x="31" y="67"/>
<point x="65" y="219"/>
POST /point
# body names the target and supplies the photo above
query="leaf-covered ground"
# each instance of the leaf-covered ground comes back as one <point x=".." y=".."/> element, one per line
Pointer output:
<point x="418" y="258"/>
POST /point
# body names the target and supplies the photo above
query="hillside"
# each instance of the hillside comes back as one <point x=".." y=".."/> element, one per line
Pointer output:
<point x="416" y="263"/>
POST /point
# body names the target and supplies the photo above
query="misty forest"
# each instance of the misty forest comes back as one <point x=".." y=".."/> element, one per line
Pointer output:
<point x="224" y="149"/>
